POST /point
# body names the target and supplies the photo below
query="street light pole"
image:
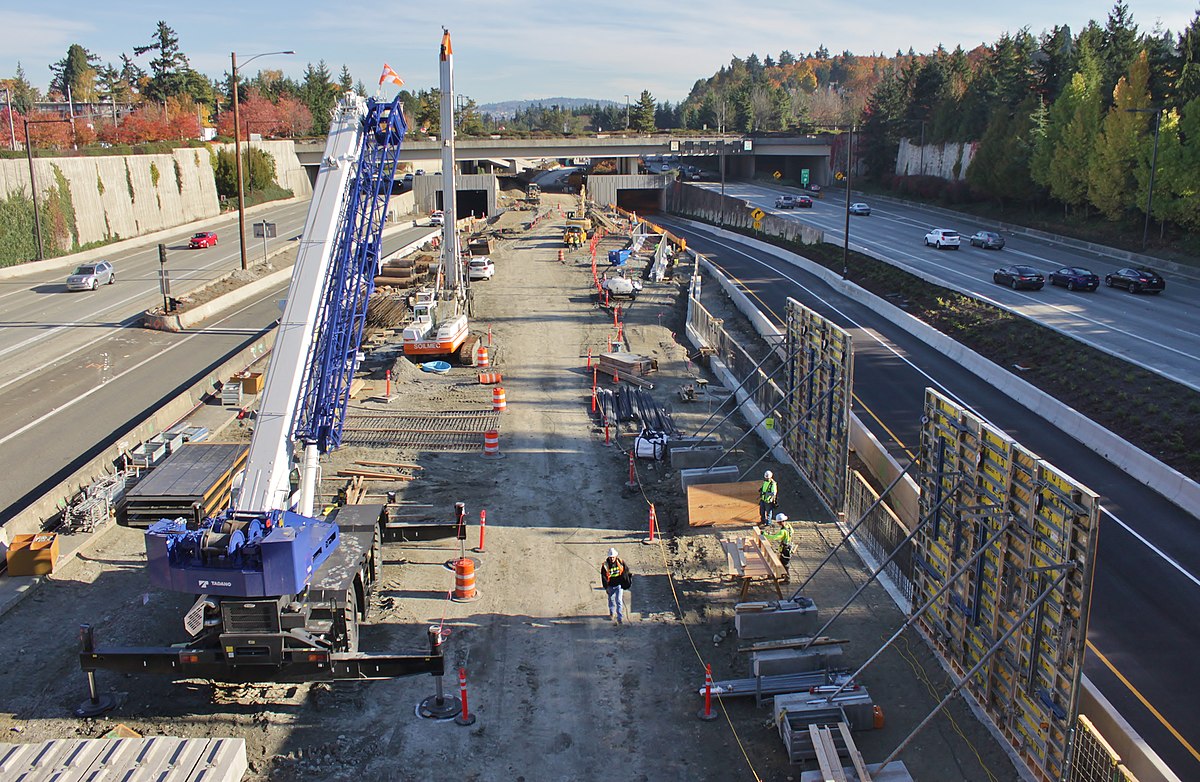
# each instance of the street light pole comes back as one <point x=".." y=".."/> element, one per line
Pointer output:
<point x="37" y="222"/>
<point x="846" y="233"/>
<point x="626" y="112"/>
<point x="237" y="151"/>
<point x="1153" y="167"/>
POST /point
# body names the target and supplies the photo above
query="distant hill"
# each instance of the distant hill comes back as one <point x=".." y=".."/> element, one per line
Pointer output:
<point x="508" y="108"/>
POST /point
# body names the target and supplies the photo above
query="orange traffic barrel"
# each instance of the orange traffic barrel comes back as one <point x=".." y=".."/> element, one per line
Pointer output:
<point x="491" y="443"/>
<point x="464" y="580"/>
<point x="488" y="378"/>
<point x="481" y="356"/>
<point x="499" y="403"/>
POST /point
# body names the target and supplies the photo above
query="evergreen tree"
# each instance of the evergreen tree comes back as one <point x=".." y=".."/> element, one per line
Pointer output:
<point x="319" y="94"/>
<point x="168" y="68"/>
<point x="345" y="80"/>
<point x="76" y="74"/>
<point x="786" y="58"/>
<point x="1053" y="62"/>
<point x="1119" y="45"/>
<point x="24" y="94"/>
<point x="1111" y="176"/>
<point x="641" y="116"/>
<point x="1187" y="86"/>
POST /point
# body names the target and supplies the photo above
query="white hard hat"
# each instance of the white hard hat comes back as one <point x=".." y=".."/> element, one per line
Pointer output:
<point x="768" y="474"/>
<point x="612" y="552"/>
<point x="781" y="517"/>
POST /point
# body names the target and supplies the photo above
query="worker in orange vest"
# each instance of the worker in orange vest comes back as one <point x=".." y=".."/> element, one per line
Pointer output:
<point x="616" y="578"/>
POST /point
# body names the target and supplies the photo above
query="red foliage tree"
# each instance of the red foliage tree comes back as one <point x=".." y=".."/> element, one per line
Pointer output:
<point x="6" y="139"/>
<point x="50" y="131"/>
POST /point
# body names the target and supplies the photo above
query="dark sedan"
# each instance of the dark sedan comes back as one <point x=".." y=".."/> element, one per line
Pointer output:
<point x="804" y="201"/>
<point x="1075" y="278"/>
<point x="1136" y="280"/>
<point x="1019" y="277"/>
<point x="988" y="240"/>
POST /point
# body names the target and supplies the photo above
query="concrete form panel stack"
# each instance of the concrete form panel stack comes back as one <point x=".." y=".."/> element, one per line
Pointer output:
<point x="976" y="481"/>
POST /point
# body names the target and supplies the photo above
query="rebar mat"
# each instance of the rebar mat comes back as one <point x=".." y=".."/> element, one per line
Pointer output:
<point x="458" y="431"/>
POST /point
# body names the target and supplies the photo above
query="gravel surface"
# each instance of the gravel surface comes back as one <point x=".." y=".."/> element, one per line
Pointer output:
<point x="560" y="691"/>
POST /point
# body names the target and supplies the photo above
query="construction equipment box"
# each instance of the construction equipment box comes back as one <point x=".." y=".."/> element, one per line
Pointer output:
<point x="33" y="555"/>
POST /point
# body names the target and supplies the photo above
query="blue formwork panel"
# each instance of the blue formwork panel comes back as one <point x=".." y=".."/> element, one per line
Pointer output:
<point x="276" y="554"/>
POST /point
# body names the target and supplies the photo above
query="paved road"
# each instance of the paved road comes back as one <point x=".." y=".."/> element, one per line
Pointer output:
<point x="79" y="382"/>
<point x="1160" y="332"/>
<point x="1146" y="614"/>
<point x="42" y="322"/>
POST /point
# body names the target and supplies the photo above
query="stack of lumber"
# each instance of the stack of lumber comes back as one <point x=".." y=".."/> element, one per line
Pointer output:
<point x="379" y="471"/>
<point x="627" y="365"/>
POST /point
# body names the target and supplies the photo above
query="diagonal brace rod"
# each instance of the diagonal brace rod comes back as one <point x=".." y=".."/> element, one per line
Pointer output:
<point x="882" y="565"/>
<point x="917" y="614"/>
<point x="861" y="520"/>
<point x="799" y="420"/>
<point x="987" y="656"/>
<point x="733" y="395"/>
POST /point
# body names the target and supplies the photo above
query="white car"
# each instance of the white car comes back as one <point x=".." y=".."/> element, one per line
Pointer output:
<point x="437" y="218"/>
<point x="942" y="237"/>
<point x="481" y="269"/>
<point x="90" y="275"/>
<point x="860" y="209"/>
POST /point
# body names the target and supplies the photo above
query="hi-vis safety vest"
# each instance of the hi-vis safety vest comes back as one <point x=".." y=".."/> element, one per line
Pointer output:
<point x="768" y="491"/>
<point x="615" y="569"/>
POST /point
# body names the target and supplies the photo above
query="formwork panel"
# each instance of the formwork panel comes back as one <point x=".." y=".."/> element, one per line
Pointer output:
<point x="816" y="416"/>
<point x="976" y="482"/>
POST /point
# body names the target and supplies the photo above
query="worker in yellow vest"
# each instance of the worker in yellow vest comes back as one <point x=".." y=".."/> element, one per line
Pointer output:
<point x="616" y="578"/>
<point x="767" y="494"/>
<point x="784" y="536"/>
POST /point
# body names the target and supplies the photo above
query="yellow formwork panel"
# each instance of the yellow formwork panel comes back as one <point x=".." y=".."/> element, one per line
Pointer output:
<point x="990" y="481"/>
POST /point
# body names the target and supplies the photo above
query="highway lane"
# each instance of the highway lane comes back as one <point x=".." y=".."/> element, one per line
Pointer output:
<point x="57" y="416"/>
<point x="1146" y="595"/>
<point x="42" y="321"/>
<point x="1160" y="332"/>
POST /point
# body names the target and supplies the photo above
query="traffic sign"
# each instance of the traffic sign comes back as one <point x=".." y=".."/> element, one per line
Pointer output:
<point x="778" y="175"/>
<point x="758" y="215"/>
<point x="804" y="177"/>
<point x="839" y="176"/>
<point x="758" y="225"/>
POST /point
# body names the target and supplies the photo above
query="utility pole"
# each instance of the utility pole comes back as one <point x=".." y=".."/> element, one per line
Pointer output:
<point x="12" y="132"/>
<point x="37" y="221"/>
<point x="1153" y="167"/>
<point x="846" y="233"/>
<point x="626" y="112"/>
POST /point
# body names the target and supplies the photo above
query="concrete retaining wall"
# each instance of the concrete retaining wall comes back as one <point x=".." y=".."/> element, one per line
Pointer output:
<point x="121" y="196"/>
<point x="711" y="206"/>
<point x="948" y="161"/>
<point x="288" y="171"/>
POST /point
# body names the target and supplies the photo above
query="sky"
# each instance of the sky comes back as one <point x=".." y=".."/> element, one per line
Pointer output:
<point x="529" y="49"/>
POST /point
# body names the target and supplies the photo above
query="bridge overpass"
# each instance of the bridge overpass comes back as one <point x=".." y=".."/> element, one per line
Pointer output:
<point x="481" y="160"/>
<point x="744" y="156"/>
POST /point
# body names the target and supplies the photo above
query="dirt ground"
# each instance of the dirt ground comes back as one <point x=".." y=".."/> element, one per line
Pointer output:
<point x="560" y="692"/>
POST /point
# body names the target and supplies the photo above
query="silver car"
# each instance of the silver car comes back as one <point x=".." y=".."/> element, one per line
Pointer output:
<point x="89" y="276"/>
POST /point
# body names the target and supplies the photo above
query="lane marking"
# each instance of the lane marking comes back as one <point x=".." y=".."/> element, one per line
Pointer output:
<point x="76" y="400"/>
<point x="1138" y="536"/>
<point x="1144" y="701"/>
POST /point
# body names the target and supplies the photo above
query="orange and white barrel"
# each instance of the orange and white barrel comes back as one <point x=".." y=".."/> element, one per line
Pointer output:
<point x="464" y="580"/>
<point x="491" y="443"/>
<point x="499" y="403"/>
<point x="481" y="356"/>
<point x="488" y="378"/>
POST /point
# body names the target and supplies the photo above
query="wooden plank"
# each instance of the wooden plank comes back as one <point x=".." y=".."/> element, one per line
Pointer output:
<point x="391" y="464"/>
<point x="855" y="756"/>
<point x="791" y="643"/>
<point x="723" y="504"/>
<point x="374" y="476"/>
<point x="356" y="386"/>
<point x="827" y="754"/>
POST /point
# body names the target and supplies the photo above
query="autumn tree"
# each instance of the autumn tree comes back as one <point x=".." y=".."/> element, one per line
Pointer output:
<point x="1111" y="176"/>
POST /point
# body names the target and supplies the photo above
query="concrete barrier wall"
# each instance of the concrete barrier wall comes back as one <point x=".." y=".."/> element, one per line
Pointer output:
<point x="711" y="206"/>
<point x="118" y="197"/>
<point x="289" y="173"/>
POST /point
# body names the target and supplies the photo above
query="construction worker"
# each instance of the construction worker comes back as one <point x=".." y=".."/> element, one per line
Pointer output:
<point x="767" y="494"/>
<point x="614" y="575"/>
<point x="784" y="536"/>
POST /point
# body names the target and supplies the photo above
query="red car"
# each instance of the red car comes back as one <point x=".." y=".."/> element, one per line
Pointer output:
<point x="203" y="239"/>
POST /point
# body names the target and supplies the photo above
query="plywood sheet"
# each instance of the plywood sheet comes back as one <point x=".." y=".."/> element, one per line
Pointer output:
<point x="723" y="504"/>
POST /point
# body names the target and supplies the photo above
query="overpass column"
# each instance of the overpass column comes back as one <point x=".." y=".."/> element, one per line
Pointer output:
<point x="512" y="167"/>
<point x="627" y="165"/>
